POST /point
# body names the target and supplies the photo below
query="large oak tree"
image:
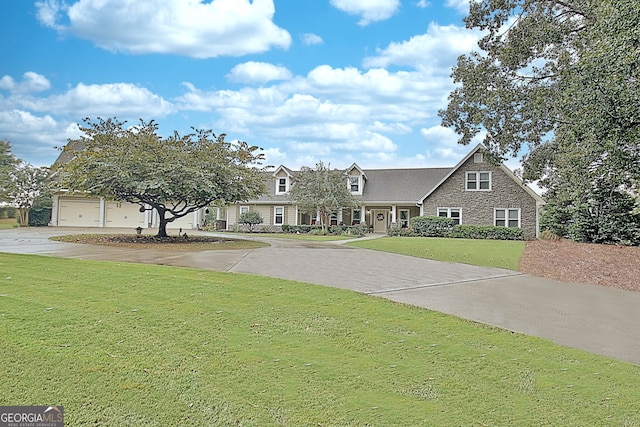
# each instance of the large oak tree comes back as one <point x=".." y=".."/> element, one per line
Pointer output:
<point x="175" y="176"/>
<point x="560" y="78"/>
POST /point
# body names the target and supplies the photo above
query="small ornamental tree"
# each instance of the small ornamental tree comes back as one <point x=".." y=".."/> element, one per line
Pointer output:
<point x="250" y="220"/>
<point x="175" y="176"/>
<point x="321" y="190"/>
<point x="26" y="185"/>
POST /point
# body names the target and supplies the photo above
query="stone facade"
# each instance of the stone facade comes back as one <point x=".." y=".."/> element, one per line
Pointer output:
<point x="478" y="207"/>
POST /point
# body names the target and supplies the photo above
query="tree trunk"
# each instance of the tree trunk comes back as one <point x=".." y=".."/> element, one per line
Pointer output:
<point x="162" y="227"/>
<point x="24" y="217"/>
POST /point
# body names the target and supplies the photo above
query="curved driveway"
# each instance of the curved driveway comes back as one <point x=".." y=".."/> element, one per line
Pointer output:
<point x="593" y="318"/>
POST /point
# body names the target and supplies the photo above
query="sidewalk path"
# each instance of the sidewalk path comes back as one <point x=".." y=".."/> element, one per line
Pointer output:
<point x="597" y="319"/>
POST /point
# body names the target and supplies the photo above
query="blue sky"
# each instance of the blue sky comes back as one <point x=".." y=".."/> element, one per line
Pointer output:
<point x="340" y="81"/>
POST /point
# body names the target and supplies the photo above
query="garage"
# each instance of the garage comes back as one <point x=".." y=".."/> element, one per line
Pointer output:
<point x="186" y="222"/>
<point x="122" y="214"/>
<point x="79" y="212"/>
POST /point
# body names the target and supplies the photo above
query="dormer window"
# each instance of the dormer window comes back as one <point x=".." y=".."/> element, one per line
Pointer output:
<point x="354" y="184"/>
<point x="282" y="185"/>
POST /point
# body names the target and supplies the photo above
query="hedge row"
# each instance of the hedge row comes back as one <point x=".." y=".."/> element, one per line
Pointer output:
<point x="353" y="230"/>
<point x="433" y="226"/>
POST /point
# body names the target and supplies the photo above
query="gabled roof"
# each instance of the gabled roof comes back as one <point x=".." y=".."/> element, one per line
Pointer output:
<point x="286" y="170"/>
<point x="505" y="169"/>
<point x="359" y="169"/>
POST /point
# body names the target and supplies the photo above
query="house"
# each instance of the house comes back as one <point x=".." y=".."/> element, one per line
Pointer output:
<point x="475" y="191"/>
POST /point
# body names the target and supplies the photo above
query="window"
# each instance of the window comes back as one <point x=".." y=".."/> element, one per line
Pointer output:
<point x="354" y="184"/>
<point x="244" y="209"/>
<point x="478" y="181"/>
<point x="278" y="215"/>
<point x="454" y="213"/>
<point x="507" y="218"/>
<point x="282" y="186"/>
<point x="477" y="158"/>
<point x="356" y="216"/>
<point x="334" y="218"/>
<point x="404" y="218"/>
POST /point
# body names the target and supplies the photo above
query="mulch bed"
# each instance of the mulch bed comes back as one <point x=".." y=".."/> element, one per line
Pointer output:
<point x="566" y="261"/>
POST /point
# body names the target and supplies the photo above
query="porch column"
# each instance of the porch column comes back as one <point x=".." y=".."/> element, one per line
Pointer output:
<point x="363" y="215"/>
<point x="196" y="218"/>
<point x="103" y="212"/>
<point x="297" y="216"/>
<point x="339" y="218"/>
<point x="393" y="214"/>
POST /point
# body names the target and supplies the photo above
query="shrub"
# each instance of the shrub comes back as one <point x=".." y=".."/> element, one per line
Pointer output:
<point x="299" y="229"/>
<point x="549" y="235"/>
<point x="39" y="216"/>
<point x="432" y="226"/>
<point x="7" y="212"/>
<point x="349" y="230"/>
<point x="250" y="220"/>
<point x="488" y="232"/>
<point x="401" y="232"/>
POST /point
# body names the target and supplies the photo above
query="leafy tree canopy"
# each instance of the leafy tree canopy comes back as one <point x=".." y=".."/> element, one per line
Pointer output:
<point x="8" y="162"/>
<point x="27" y="185"/>
<point x="175" y="175"/>
<point x="321" y="190"/>
<point x="561" y="78"/>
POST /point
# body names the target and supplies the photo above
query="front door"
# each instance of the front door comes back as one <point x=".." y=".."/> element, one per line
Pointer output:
<point x="380" y="221"/>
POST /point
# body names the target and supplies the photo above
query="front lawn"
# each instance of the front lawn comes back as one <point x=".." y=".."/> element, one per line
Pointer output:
<point x="125" y="344"/>
<point x="487" y="253"/>
<point x="6" y="223"/>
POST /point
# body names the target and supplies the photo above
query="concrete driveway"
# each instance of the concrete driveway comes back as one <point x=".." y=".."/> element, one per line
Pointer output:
<point x="593" y="318"/>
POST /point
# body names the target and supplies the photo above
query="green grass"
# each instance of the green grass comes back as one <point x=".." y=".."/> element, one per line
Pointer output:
<point x="6" y="223"/>
<point x="128" y="344"/>
<point x="487" y="253"/>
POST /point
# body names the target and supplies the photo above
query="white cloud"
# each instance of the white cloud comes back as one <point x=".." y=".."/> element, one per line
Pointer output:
<point x="435" y="51"/>
<point x="309" y="39"/>
<point x="368" y="10"/>
<point x="35" y="137"/>
<point x="258" y="72"/>
<point x="124" y="100"/>
<point x="183" y="27"/>
<point x="48" y="12"/>
<point x="423" y="4"/>
<point x="459" y="5"/>
<point x="31" y="82"/>
<point x="443" y="142"/>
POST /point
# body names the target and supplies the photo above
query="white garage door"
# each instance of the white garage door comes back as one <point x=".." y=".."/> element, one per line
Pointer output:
<point x="123" y="215"/>
<point x="186" y="222"/>
<point x="79" y="212"/>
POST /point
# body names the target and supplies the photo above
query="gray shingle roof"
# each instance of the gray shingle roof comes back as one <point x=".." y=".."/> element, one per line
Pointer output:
<point x="400" y="185"/>
<point x="382" y="185"/>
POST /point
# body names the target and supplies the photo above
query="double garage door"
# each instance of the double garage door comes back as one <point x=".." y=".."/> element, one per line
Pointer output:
<point x="85" y="212"/>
